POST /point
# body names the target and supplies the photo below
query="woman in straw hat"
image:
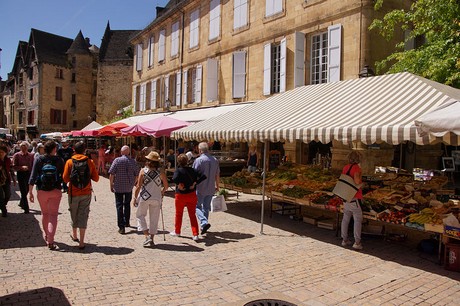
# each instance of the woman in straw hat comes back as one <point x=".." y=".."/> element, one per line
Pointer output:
<point x="148" y="196"/>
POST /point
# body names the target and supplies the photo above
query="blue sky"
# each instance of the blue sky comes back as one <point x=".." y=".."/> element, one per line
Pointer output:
<point x="66" y="18"/>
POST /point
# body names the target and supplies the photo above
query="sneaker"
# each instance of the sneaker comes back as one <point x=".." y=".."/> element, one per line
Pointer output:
<point x="205" y="228"/>
<point x="346" y="243"/>
<point x="357" y="246"/>
<point x="148" y="241"/>
<point x="122" y="230"/>
<point x="195" y="238"/>
<point x="174" y="234"/>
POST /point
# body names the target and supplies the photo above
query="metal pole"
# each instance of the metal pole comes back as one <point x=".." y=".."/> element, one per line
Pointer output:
<point x="263" y="188"/>
<point x="162" y="220"/>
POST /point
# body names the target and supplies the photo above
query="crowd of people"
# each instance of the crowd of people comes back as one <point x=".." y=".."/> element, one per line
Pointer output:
<point x="56" y="168"/>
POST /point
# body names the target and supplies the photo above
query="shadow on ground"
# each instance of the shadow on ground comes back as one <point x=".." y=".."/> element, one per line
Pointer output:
<point x="41" y="296"/>
<point x="401" y="253"/>
<point x="20" y="230"/>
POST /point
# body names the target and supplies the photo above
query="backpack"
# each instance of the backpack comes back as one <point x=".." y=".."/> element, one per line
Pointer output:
<point x="49" y="177"/>
<point x="80" y="175"/>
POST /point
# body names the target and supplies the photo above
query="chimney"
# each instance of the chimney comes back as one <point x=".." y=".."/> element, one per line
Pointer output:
<point x="87" y="41"/>
<point x="160" y="10"/>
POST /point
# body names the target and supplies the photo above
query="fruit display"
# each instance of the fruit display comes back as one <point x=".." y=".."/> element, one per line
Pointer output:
<point x="295" y="192"/>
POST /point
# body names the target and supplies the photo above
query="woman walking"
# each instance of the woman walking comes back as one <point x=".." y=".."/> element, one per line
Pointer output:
<point x="148" y="197"/>
<point x="47" y="175"/>
<point x="186" y="178"/>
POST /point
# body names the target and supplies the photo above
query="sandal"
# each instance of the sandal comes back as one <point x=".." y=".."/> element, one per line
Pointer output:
<point x="74" y="239"/>
<point x="81" y="247"/>
<point x="52" y="246"/>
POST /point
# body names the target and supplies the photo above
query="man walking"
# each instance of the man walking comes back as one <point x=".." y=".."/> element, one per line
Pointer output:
<point x="65" y="152"/>
<point x="123" y="174"/>
<point x="78" y="172"/>
<point x="22" y="163"/>
<point x="207" y="165"/>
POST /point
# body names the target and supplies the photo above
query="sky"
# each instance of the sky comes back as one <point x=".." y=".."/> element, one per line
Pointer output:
<point x="66" y="18"/>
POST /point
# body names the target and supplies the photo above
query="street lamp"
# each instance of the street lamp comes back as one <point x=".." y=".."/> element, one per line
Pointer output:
<point x="366" y="72"/>
<point x="168" y="104"/>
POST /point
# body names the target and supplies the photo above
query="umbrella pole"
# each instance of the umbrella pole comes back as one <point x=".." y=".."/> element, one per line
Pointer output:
<point x="164" y="152"/>
<point x="263" y="188"/>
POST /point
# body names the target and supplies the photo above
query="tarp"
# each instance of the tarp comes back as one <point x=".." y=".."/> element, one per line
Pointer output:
<point x="112" y="129"/>
<point x="92" y="126"/>
<point x="158" y="127"/>
<point x="370" y="110"/>
<point x="444" y="121"/>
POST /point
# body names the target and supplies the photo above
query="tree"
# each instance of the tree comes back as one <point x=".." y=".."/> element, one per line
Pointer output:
<point x="437" y="24"/>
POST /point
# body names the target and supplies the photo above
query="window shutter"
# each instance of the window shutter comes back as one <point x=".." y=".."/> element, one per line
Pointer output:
<point x="299" y="59"/>
<point x="269" y="9"/>
<point x="334" y="51"/>
<point x="64" y="116"/>
<point x="150" y="51"/>
<point x="199" y="75"/>
<point x="166" y="88"/>
<point x="184" y="89"/>
<point x="148" y="95"/>
<point x="178" y="83"/>
<point x="194" y="28"/>
<point x="139" y="57"/>
<point x="143" y="90"/>
<point x="51" y="116"/>
<point x="175" y="39"/>
<point x="161" y="46"/>
<point x="138" y="94"/>
<point x="214" y="19"/>
<point x="267" y="68"/>
<point x="240" y="13"/>
<point x="211" y="81"/>
<point x="153" y="97"/>
<point x="239" y="74"/>
<point x="283" y="66"/>
<point x="277" y="6"/>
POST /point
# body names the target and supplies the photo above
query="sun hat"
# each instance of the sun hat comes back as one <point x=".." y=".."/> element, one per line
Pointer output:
<point x="40" y="145"/>
<point x="153" y="156"/>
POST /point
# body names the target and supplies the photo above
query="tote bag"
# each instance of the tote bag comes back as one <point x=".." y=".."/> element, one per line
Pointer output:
<point x="218" y="204"/>
<point x="346" y="188"/>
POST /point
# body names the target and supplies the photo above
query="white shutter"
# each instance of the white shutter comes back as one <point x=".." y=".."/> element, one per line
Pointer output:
<point x="239" y="74"/>
<point x="277" y="6"/>
<point x="142" y="98"/>
<point x="267" y="68"/>
<point x="334" y="51"/>
<point x="139" y="57"/>
<point x="175" y="39"/>
<point x="150" y="51"/>
<point x="134" y="98"/>
<point x="178" y="83"/>
<point x="283" y="66"/>
<point x="161" y="46"/>
<point x="184" y="89"/>
<point x="299" y="59"/>
<point x="214" y="19"/>
<point x="268" y="8"/>
<point x="211" y="81"/>
<point x="153" y="95"/>
<point x="166" y="88"/>
<point x="199" y="75"/>
<point x="240" y="13"/>
<point x="194" y="28"/>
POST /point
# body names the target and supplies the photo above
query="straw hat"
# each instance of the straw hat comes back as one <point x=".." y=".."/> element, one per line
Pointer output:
<point x="153" y="156"/>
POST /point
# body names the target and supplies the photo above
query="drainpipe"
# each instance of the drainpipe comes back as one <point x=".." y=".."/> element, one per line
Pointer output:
<point x="182" y="57"/>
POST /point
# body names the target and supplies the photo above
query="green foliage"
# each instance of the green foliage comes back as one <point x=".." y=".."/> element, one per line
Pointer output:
<point x="438" y="22"/>
<point x="125" y="113"/>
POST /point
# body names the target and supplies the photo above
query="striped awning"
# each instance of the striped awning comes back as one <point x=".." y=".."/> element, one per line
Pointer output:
<point x="371" y="110"/>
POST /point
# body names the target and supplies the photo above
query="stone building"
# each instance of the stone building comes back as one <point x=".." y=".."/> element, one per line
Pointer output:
<point x="114" y="77"/>
<point x="52" y="85"/>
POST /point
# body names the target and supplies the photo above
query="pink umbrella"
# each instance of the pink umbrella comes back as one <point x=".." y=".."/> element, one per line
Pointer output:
<point x="158" y="127"/>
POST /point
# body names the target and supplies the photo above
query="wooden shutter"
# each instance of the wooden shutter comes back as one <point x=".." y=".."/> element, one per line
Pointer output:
<point x="161" y="46"/>
<point x="283" y="66"/>
<point x="211" y="80"/>
<point x="178" y="87"/>
<point x="64" y="116"/>
<point x="240" y="13"/>
<point x="334" y="52"/>
<point x="138" y="94"/>
<point x="139" y="57"/>
<point x="198" y="81"/>
<point x="150" y="50"/>
<point x="277" y="6"/>
<point x="239" y="74"/>
<point x="166" y="88"/>
<point x="194" y="28"/>
<point x="269" y="8"/>
<point x="148" y="94"/>
<point x="214" y="19"/>
<point x="153" y="97"/>
<point x="267" y="69"/>
<point x="184" y="89"/>
<point x="299" y="59"/>
<point x="175" y="39"/>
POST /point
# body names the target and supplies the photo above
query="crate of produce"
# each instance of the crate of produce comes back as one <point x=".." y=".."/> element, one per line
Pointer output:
<point x="327" y="224"/>
<point x="435" y="228"/>
<point x="277" y="194"/>
<point x="303" y="201"/>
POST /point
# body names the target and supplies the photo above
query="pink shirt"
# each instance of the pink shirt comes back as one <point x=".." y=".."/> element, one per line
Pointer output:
<point x="355" y="169"/>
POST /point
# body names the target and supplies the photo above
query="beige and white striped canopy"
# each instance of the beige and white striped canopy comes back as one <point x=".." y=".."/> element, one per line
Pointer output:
<point x="371" y="110"/>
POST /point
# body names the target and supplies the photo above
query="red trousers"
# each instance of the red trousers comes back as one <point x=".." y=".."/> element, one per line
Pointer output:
<point x="188" y="200"/>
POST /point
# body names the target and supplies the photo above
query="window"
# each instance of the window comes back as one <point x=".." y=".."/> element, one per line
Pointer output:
<point x="74" y="124"/>
<point x="192" y="85"/>
<point x="58" y="93"/>
<point x="240" y="13"/>
<point x="74" y="101"/>
<point x="31" y="94"/>
<point x="325" y="55"/>
<point x="31" y="73"/>
<point x="20" y="117"/>
<point x="162" y="46"/>
<point x="275" y="67"/>
<point x="178" y="88"/>
<point x="212" y="80"/>
<point x="139" y="57"/>
<point x="59" y="73"/>
<point x="239" y="74"/>
<point x="153" y="94"/>
<point x="31" y="117"/>
<point x="170" y="89"/>
<point x="273" y="7"/>
<point x="12" y="114"/>
<point x="74" y="77"/>
<point x="58" y="116"/>
<point x="21" y="79"/>
<point x="74" y="60"/>
<point x="175" y="39"/>
<point x="194" y="28"/>
<point x="214" y="19"/>
<point x="151" y="51"/>
<point x="137" y="94"/>
<point x="142" y="98"/>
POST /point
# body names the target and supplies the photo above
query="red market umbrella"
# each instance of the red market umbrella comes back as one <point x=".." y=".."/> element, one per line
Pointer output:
<point x="158" y="127"/>
<point x="111" y="129"/>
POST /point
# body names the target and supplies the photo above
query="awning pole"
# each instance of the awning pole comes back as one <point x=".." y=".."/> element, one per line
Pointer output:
<point x="263" y="188"/>
<point x="400" y="155"/>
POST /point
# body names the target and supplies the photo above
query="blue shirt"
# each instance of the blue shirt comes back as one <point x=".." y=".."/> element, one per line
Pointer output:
<point x="125" y="170"/>
<point x="208" y="166"/>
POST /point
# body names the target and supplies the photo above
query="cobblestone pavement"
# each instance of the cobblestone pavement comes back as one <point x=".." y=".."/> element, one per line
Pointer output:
<point x="231" y="265"/>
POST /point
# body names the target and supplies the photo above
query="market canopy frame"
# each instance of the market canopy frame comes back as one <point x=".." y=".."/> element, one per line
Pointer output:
<point x="370" y="110"/>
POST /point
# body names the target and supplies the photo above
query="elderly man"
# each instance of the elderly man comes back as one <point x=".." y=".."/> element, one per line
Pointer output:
<point x="209" y="166"/>
<point x="123" y="173"/>
<point x="22" y="164"/>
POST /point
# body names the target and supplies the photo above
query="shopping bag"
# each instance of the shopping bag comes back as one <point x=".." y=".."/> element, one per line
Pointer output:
<point x="346" y="187"/>
<point x="218" y="204"/>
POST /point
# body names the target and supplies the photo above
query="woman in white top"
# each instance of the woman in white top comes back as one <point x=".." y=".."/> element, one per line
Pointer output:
<point x="148" y="196"/>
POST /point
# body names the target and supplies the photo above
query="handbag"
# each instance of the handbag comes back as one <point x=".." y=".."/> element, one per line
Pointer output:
<point x="218" y="204"/>
<point x="346" y="188"/>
